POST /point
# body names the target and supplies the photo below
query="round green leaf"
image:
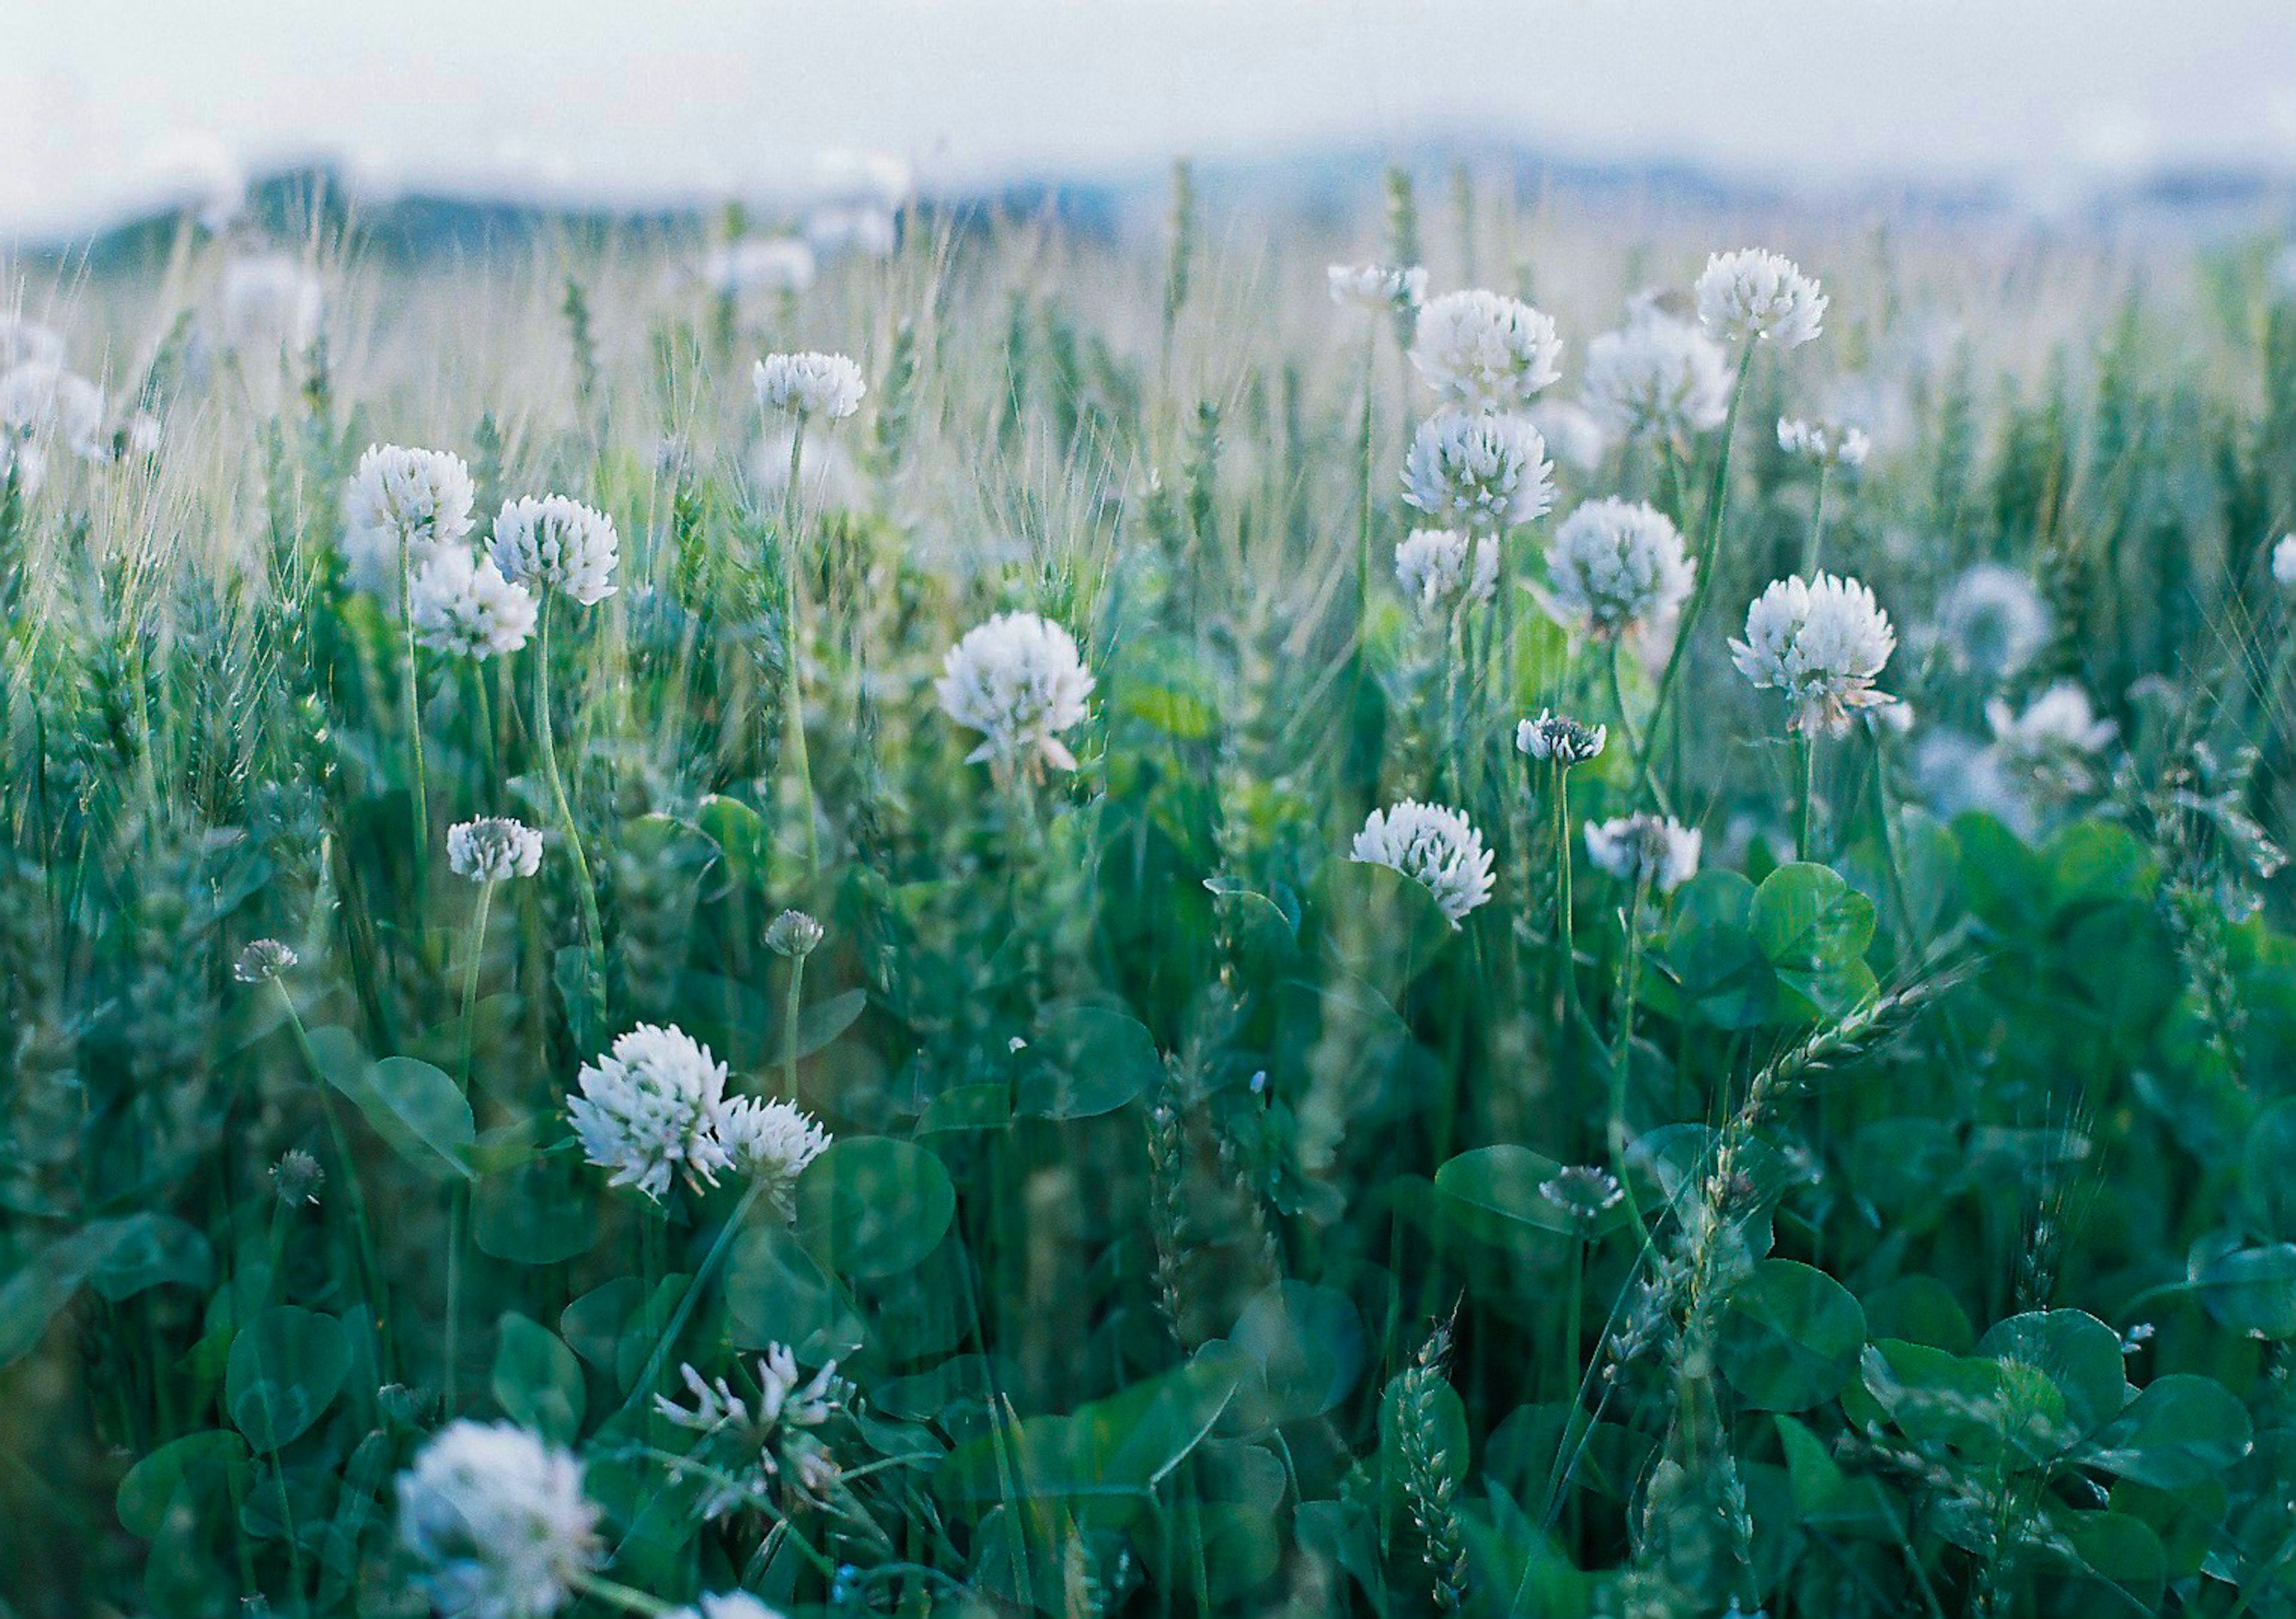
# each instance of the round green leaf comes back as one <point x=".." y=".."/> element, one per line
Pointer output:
<point x="1791" y="1337"/>
<point x="871" y="1205"/>
<point x="286" y="1367"/>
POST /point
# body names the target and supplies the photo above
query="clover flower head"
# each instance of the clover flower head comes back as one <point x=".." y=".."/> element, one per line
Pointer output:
<point x="769" y="1143"/>
<point x="493" y="848"/>
<point x="25" y="341"/>
<point x="39" y="399"/>
<point x="1435" y="847"/>
<point x="793" y="933"/>
<point x="262" y="961"/>
<point x="1019" y="680"/>
<point x="758" y="264"/>
<point x="2052" y="744"/>
<point x="1560" y="741"/>
<point x="806" y="385"/>
<point x="271" y="302"/>
<point x="756" y="1442"/>
<point x="650" y="1111"/>
<point x="1441" y="568"/>
<point x="1657" y="376"/>
<point x="1377" y="289"/>
<point x="2283" y="562"/>
<point x="1992" y="622"/>
<point x="1753" y="295"/>
<point x="402" y="507"/>
<point x="1635" y="848"/>
<point x="1479" y="472"/>
<point x="464" y="606"/>
<point x="1584" y="1191"/>
<point x="1821" y="642"/>
<point x="1830" y="444"/>
<point x="1616" y="564"/>
<point x="1480" y="351"/>
<point x="296" y="1179"/>
<point x="498" y="1521"/>
<point x="556" y="543"/>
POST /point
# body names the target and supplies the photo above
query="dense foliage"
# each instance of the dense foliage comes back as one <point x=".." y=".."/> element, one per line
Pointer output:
<point x="1891" y="1217"/>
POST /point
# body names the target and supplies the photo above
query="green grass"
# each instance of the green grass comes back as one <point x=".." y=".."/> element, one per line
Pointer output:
<point x="1184" y="1245"/>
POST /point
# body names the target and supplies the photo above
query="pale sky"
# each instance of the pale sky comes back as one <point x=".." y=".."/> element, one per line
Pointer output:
<point x="101" y="103"/>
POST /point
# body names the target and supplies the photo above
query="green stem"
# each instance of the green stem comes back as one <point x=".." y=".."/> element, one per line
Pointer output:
<point x="377" y="1299"/>
<point x="1362" y="493"/>
<point x="592" y="933"/>
<point x="695" y="1286"/>
<point x="1818" y="521"/>
<point x="415" y="716"/>
<point x="1717" y="505"/>
<point x="1805" y="804"/>
<point x="458" y="1194"/>
<point x="790" y="1003"/>
<point x="628" y="1598"/>
<point x="793" y="652"/>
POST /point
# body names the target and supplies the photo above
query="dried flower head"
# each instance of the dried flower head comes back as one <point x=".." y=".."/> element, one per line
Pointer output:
<point x="556" y="543"/>
<point x="1436" y="847"/>
<point x="1377" y="289"/>
<point x="296" y="1179"/>
<point x="1829" y="443"/>
<point x="793" y="933"/>
<point x="1560" y="741"/>
<point x="1583" y="1191"/>
<point x="262" y="961"/>
<point x="493" y="848"/>
<point x="1480" y="351"/>
<point x="1441" y="568"/>
<point x="1752" y="295"/>
<point x="1632" y="847"/>
<point x="1820" y="642"/>
<point x="1479" y="473"/>
<point x="1019" y="680"/>
<point x="498" y="1521"/>
<point x="770" y="1143"/>
<point x="464" y="606"/>
<point x="1657" y="376"/>
<point x="650" y="1111"/>
<point x="808" y="385"/>
<point x="1616" y="564"/>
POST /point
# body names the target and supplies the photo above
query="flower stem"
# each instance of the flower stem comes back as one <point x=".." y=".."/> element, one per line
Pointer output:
<point x="720" y="1245"/>
<point x="415" y="716"/>
<point x="1806" y="768"/>
<point x="789" y="1026"/>
<point x="458" y="1194"/>
<point x="793" y="652"/>
<point x="1817" y="520"/>
<point x="593" y="935"/>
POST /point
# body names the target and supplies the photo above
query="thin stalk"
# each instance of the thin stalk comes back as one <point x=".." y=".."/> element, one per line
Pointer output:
<point x="1805" y="774"/>
<point x="790" y="1003"/>
<point x="593" y="934"/>
<point x="414" y="716"/>
<point x="1717" y="505"/>
<point x="363" y="1230"/>
<point x="1363" y="495"/>
<point x="792" y="652"/>
<point x="695" y="1286"/>
<point x="628" y="1598"/>
<point x="458" y="1195"/>
<point x="1818" y="521"/>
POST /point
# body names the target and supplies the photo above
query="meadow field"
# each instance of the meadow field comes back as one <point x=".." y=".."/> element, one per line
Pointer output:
<point x="1471" y="903"/>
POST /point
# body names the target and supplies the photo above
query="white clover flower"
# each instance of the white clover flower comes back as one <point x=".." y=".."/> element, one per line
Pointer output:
<point x="262" y="961"/>
<point x="1584" y="1191"/>
<point x="2283" y="562"/>
<point x="806" y="385"/>
<point x="867" y="230"/>
<point x="403" y="504"/>
<point x="758" y="264"/>
<point x="1822" y="643"/>
<point x="1434" y="568"/>
<point x="770" y="1143"/>
<point x="2051" y="745"/>
<point x="462" y="606"/>
<point x="1561" y="741"/>
<point x="793" y="933"/>
<point x="1992" y="622"/>
<point x="271" y="302"/>
<point x="498" y="1520"/>
<point x="1828" y="442"/>
<point x="650" y="1111"/>
<point x="1435" y="847"/>
<point x="726" y="1605"/>
<point x="1634" y="847"/>
<point x="1616" y="564"/>
<point x="745" y="1448"/>
<point x="1572" y="433"/>
<point x="1481" y="352"/>
<point x="557" y="543"/>
<point x="1019" y="682"/>
<point x="24" y="341"/>
<point x="23" y="466"/>
<point x="493" y="848"/>
<point x="1657" y="376"/>
<point x="826" y="473"/>
<point x="1751" y="295"/>
<point x="1377" y="289"/>
<point x="1479" y="472"/>
<point x="41" y="400"/>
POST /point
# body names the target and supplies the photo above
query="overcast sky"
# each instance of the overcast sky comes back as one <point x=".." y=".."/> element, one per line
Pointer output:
<point x="100" y="102"/>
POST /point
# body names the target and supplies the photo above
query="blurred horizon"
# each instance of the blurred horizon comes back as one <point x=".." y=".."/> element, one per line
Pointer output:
<point x="2043" y="107"/>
